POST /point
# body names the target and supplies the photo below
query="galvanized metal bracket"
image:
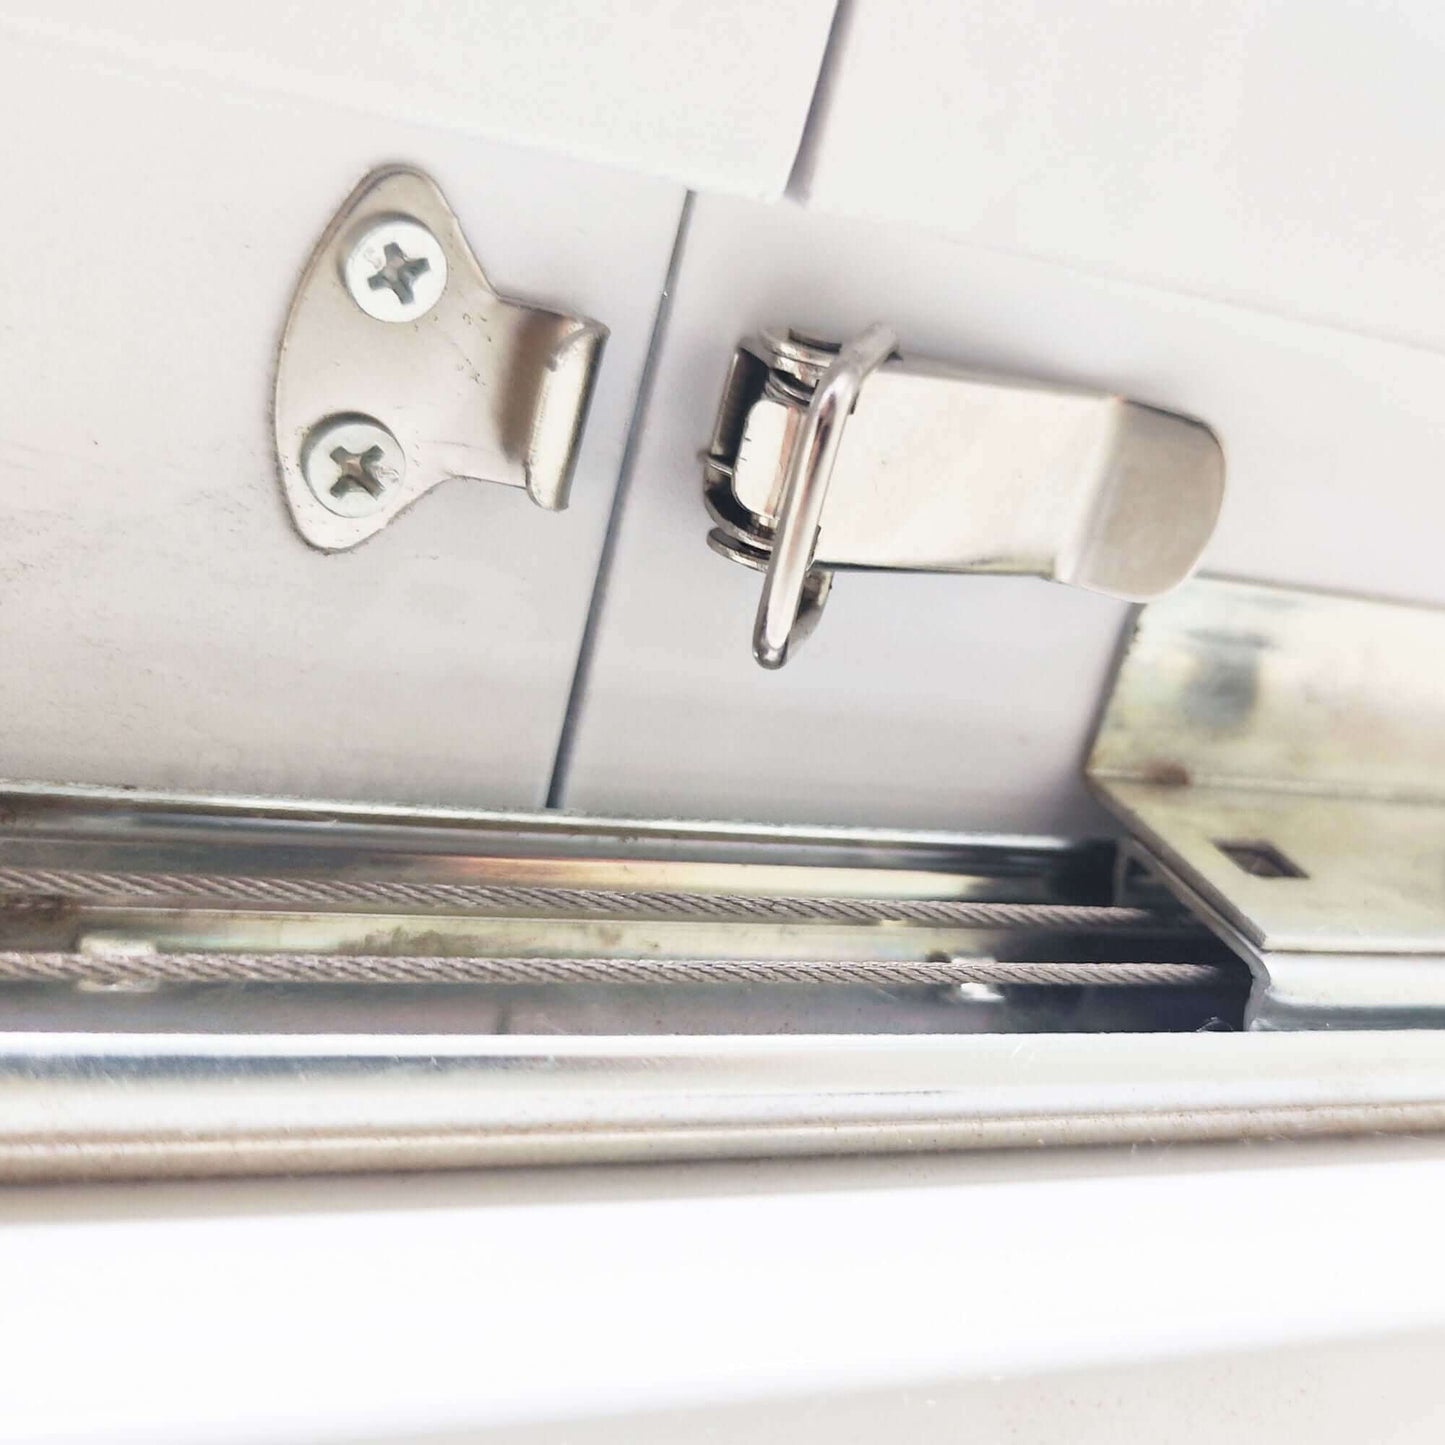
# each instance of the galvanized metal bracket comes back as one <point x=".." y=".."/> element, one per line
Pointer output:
<point x="1279" y="757"/>
<point x="401" y="368"/>
<point x="828" y="458"/>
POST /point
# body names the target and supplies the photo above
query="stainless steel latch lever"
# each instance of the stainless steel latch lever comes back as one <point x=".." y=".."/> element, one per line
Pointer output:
<point x="827" y="458"/>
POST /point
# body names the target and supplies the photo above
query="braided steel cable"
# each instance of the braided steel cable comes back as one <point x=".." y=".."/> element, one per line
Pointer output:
<point x="27" y="884"/>
<point x="126" y="965"/>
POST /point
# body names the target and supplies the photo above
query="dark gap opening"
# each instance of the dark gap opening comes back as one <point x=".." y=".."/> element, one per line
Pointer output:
<point x="1260" y="859"/>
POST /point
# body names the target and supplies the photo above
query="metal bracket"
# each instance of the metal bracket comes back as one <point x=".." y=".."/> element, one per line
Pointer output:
<point x="827" y="458"/>
<point x="401" y="368"/>
<point x="1279" y="757"/>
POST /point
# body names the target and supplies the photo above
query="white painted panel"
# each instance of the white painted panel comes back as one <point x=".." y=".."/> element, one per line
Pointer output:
<point x="967" y="702"/>
<point x="712" y="95"/>
<point x="160" y="621"/>
<point x="1290" y="153"/>
<point x="1340" y="1392"/>
<point x="375" y="1309"/>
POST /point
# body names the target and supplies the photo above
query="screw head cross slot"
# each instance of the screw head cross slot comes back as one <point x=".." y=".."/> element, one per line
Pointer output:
<point x="398" y="272"/>
<point x="357" y="469"/>
<point x="395" y="269"/>
<point x="353" y="465"/>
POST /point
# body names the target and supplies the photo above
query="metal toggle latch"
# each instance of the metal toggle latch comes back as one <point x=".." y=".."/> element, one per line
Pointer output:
<point x="401" y="368"/>
<point x="826" y="458"/>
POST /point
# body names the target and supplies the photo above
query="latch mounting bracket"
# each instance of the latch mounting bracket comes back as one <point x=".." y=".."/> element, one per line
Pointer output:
<point x="401" y="368"/>
<point x="1279" y="759"/>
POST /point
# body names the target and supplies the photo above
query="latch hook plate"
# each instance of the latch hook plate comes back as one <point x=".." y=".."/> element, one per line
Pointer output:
<point x="401" y="368"/>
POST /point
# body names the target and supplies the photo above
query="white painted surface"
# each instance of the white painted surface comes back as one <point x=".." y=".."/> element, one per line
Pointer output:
<point x="1288" y="153"/>
<point x="198" y="644"/>
<point x="709" y="95"/>
<point x="161" y="622"/>
<point x="967" y="702"/>
<point x="371" y="1309"/>
<point x="1331" y="1393"/>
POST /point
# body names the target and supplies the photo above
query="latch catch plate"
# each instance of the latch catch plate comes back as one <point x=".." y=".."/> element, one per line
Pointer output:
<point x="401" y="368"/>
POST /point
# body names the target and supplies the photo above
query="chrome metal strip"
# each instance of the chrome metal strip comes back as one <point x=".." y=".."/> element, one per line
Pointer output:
<point x="44" y="826"/>
<point x="76" y="1107"/>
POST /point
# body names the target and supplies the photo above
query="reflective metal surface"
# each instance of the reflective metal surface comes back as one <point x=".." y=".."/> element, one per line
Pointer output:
<point x="457" y="989"/>
<point x="80" y="1107"/>
<point x="1280" y="756"/>
<point x="829" y="458"/>
<point x="114" y="889"/>
<point x="469" y="384"/>
<point x="812" y="455"/>
<point x="206" y="986"/>
<point x="45" y="825"/>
